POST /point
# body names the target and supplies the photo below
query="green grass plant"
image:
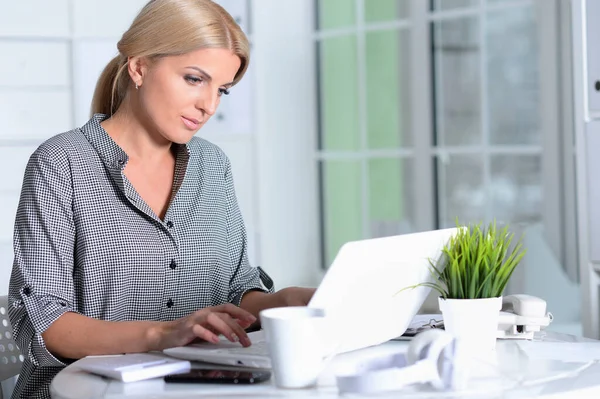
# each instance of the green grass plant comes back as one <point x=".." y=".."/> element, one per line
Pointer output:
<point x="478" y="262"/>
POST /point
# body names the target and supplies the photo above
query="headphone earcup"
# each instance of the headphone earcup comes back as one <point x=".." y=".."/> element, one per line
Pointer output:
<point x="435" y="346"/>
<point x="420" y="342"/>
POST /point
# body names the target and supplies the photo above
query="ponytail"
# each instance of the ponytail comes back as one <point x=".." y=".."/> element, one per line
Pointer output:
<point x="111" y="88"/>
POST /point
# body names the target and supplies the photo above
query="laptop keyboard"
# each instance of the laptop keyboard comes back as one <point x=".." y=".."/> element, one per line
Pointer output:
<point x="258" y="349"/>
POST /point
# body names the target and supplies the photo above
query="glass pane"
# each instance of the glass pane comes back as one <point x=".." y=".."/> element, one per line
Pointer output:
<point x="388" y="102"/>
<point x="386" y="10"/>
<point x="513" y="71"/>
<point x="391" y="198"/>
<point x="450" y="4"/>
<point x="342" y="205"/>
<point x="336" y="14"/>
<point x="516" y="188"/>
<point x="462" y="194"/>
<point x="457" y="82"/>
<point x="339" y="94"/>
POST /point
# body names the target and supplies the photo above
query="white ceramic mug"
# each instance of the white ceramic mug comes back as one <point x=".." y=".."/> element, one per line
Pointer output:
<point x="295" y="344"/>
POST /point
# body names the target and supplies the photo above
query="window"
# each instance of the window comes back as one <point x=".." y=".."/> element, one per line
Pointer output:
<point x="434" y="110"/>
<point x="365" y="142"/>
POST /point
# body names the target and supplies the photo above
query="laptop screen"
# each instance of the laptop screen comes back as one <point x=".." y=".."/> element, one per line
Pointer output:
<point x="360" y="292"/>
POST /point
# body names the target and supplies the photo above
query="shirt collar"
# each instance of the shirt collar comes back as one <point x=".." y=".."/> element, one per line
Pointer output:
<point x="113" y="156"/>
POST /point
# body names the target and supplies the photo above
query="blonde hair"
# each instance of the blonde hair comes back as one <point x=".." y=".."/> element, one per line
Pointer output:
<point x="164" y="28"/>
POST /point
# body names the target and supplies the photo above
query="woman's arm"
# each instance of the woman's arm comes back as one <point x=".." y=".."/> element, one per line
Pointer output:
<point x="73" y="336"/>
<point x="255" y="301"/>
<point x="41" y="285"/>
<point x="244" y="278"/>
<point x="245" y="285"/>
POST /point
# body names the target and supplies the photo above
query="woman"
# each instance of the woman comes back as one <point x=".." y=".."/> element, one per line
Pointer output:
<point x="128" y="235"/>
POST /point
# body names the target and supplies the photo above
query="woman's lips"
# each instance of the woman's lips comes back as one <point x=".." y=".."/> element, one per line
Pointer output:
<point x="191" y="123"/>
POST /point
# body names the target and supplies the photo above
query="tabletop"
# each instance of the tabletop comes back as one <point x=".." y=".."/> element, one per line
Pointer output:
<point x="550" y="366"/>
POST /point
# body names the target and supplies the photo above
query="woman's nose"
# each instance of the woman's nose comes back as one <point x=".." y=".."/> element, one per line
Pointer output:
<point x="208" y="103"/>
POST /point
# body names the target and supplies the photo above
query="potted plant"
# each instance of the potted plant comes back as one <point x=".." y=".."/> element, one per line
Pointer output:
<point x="475" y="266"/>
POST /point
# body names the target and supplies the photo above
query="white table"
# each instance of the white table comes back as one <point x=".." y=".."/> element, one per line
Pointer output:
<point x="516" y="375"/>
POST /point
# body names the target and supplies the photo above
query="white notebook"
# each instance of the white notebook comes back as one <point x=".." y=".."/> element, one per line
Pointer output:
<point x="133" y="366"/>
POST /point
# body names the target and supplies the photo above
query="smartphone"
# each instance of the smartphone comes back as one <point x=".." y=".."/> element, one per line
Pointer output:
<point x="219" y="377"/>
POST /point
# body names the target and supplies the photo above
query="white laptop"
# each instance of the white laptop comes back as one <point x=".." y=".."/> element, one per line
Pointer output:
<point x="360" y="294"/>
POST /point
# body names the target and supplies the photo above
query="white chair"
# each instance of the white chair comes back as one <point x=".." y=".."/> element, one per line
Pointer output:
<point x="11" y="358"/>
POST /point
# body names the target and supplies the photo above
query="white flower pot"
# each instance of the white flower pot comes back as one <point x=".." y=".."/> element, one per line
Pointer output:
<point x="473" y="321"/>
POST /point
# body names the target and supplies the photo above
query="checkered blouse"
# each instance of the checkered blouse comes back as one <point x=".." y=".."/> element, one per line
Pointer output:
<point x="86" y="242"/>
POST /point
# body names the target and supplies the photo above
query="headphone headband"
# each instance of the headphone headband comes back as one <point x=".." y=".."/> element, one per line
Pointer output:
<point x="429" y="358"/>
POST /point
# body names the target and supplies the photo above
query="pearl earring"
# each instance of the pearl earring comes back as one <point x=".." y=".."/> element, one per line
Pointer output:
<point x="136" y="86"/>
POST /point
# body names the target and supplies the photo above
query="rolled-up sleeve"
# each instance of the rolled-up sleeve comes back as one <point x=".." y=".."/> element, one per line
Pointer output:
<point x="244" y="277"/>
<point x="41" y="283"/>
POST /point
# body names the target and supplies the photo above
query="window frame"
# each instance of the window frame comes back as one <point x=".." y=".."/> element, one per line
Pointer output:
<point x="554" y="149"/>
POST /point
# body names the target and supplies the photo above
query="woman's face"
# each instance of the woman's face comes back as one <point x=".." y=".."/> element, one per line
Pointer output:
<point x="178" y="94"/>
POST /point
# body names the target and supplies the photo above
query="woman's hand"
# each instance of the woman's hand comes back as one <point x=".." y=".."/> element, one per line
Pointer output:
<point x="206" y="324"/>
<point x="294" y="296"/>
<point x="255" y="301"/>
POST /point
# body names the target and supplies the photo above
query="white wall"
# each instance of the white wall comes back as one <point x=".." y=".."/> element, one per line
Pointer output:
<point x="284" y="58"/>
<point x="35" y="97"/>
<point x="47" y="75"/>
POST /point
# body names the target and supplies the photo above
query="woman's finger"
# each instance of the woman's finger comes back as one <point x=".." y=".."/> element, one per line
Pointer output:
<point x="237" y="329"/>
<point x="228" y="327"/>
<point x="209" y="328"/>
<point x="205" y="333"/>
<point x="235" y="312"/>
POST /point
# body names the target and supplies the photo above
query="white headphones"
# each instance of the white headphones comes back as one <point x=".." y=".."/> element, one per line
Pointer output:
<point x="432" y="356"/>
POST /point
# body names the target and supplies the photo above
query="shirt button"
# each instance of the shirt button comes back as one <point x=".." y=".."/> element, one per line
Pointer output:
<point x="173" y="264"/>
<point x="170" y="224"/>
<point x="27" y="290"/>
<point x="170" y="303"/>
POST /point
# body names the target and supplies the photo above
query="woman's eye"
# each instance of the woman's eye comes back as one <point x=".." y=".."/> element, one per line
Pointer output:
<point x="223" y="92"/>
<point x="193" y="79"/>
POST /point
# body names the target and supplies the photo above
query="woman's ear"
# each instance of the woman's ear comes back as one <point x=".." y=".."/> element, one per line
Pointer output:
<point x="137" y="67"/>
